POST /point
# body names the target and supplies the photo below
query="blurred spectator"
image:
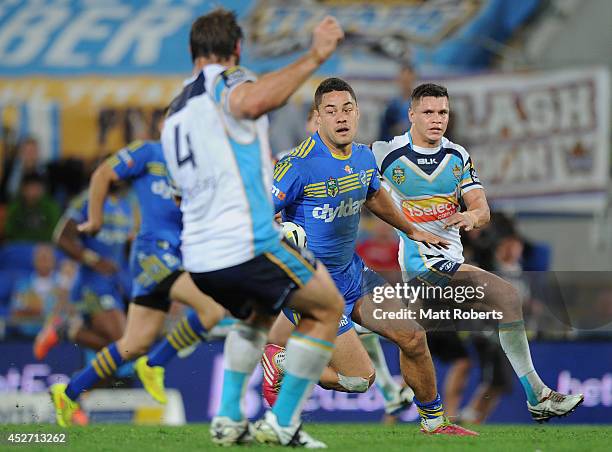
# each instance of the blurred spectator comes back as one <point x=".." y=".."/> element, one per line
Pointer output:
<point x="310" y="128"/>
<point x="479" y="245"/>
<point x="395" y="117"/>
<point x="379" y="250"/>
<point x="508" y="254"/>
<point x="32" y="216"/>
<point x="27" y="161"/>
<point x="36" y="295"/>
<point x="286" y="127"/>
<point x="66" y="179"/>
<point x="311" y="120"/>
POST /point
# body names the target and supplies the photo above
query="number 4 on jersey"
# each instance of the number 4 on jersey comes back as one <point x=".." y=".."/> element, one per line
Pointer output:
<point x="177" y="145"/>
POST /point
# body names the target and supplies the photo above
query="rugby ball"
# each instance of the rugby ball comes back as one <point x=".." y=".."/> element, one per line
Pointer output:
<point x="294" y="233"/>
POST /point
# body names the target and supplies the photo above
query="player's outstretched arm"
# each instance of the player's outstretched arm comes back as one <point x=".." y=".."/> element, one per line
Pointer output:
<point x="476" y="215"/>
<point x="381" y="205"/>
<point x="251" y="100"/>
<point x="102" y="178"/>
<point x="66" y="237"/>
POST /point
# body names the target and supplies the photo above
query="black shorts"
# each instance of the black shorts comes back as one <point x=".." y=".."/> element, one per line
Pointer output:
<point x="159" y="298"/>
<point x="265" y="283"/>
<point x="446" y="346"/>
<point x="495" y="368"/>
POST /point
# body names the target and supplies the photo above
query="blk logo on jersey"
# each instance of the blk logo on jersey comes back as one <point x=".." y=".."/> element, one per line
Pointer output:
<point x="332" y="187"/>
<point x="346" y="208"/>
<point x="430" y="161"/>
<point x="431" y="209"/>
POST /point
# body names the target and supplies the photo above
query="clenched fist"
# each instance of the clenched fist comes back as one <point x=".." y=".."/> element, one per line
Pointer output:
<point x="325" y="38"/>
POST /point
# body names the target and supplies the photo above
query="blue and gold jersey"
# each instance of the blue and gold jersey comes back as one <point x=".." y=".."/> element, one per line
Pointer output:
<point x="324" y="193"/>
<point x="91" y="288"/>
<point x="143" y="164"/>
<point x="118" y="224"/>
<point x="156" y="251"/>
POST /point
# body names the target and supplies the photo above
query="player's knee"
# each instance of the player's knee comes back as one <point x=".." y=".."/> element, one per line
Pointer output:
<point x="330" y="307"/>
<point x="359" y="384"/>
<point x="412" y="342"/>
<point x="512" y="299"/>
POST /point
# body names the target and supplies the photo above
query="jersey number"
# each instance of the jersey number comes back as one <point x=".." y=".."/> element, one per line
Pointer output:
<point x="182" y="160"/>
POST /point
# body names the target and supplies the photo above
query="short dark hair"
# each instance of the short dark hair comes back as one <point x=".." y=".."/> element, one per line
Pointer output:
<point x="216" y="33"/>
<point x="332" y="84"/>
<point x="428" y="90"/>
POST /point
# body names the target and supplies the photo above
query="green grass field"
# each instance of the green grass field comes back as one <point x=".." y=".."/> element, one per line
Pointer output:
<point x="340" y="437"/>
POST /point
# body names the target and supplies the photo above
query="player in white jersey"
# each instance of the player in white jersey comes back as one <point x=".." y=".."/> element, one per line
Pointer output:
<point x="429" y="176"/>
<point x="216" y="147"/>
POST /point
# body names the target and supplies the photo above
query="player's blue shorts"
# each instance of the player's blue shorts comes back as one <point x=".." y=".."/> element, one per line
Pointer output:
<point x="93" y="293"/>
<point x="353" y="283"/>
<point x="423" y="268"/>
<point x="154" y="266"/>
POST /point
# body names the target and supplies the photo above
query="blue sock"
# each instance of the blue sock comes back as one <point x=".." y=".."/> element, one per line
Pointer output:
<point x="102" y="366"/>
<point x="431" y="412"/>
<point x="187" y="332"/>
<point x="234" y="385"/>
<point x="533" y="399"/>
<point x="293" y="390"/>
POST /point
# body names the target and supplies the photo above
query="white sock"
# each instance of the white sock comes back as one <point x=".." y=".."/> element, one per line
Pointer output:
<point x="388" y="386"/>
<point x="306" y="359"/>
<point x="513" y="340"/>
<point x="243" y="349"/>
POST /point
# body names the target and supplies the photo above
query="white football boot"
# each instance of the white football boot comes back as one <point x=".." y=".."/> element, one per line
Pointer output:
<point x="226" y="432"/>
<point x="554" y="404"/>
<point x="267" y="431"/>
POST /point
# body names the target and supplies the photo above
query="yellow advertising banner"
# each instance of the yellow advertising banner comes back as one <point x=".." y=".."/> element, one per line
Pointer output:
<point x="86" y="116"/>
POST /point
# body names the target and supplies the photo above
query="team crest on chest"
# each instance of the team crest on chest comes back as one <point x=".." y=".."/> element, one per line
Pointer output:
<point x="363" y="177"/>
<point x="398" y="175"/>
<point x="348" y="169"/>
<point x="457" y="172"/>
<point x="332" y="187"/>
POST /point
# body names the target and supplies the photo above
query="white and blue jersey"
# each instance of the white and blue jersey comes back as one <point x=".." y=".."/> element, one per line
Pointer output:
<point x="93" y="290"/>
<point x="222" y="167"/>
<point x="324" y="193"/>
<point x="156" y="251"/>
<point x="427" y="185"/>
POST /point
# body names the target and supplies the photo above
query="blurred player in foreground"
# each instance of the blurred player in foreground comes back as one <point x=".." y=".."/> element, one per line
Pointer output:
<point x="155" y="265"/>
<point x="322" y="186"/>
<point x="215" y="140"/>
<point x="97" y="290"/>
<point x="428" y="174"/>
